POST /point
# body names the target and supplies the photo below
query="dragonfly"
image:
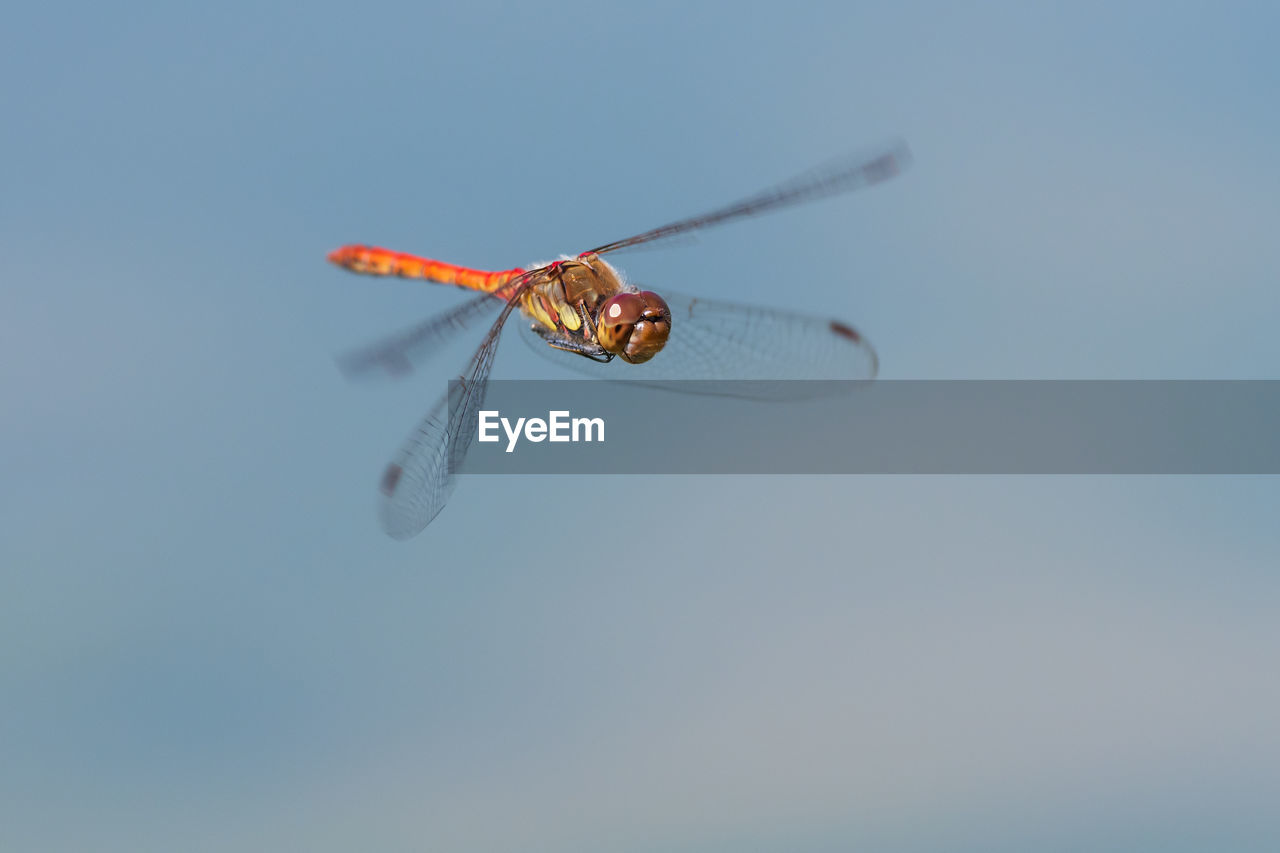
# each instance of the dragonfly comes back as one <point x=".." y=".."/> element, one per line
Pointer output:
<point x="582" y="311"/>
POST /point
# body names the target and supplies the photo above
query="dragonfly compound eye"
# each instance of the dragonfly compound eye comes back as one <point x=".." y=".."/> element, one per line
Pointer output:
<point x="634" y="325"/>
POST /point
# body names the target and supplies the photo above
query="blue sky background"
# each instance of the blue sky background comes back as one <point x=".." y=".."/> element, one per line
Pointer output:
<point x="207" y="644"/>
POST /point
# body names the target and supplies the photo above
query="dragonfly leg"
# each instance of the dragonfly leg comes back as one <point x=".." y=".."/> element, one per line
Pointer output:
<point x="595" y="352"/>
<point x="588" y="322"/>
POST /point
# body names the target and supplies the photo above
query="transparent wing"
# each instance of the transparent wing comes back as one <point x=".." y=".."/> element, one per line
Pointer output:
<point x="398" y="354"/>
<point x="712" y="340"/>
<point x="843" y="175"/>
<point x="417" y="484"/>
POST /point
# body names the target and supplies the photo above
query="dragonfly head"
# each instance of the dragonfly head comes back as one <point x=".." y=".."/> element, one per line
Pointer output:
<point x="634" y="325"/>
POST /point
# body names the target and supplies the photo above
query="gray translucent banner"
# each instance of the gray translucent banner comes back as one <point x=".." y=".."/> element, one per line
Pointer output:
<point x="887" y="427"/>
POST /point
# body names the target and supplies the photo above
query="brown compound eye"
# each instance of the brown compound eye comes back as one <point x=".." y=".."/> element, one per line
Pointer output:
<point x="622" y="309"/>
<point x="616" y="321"/>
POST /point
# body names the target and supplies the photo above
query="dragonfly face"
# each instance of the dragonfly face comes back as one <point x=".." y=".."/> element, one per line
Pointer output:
<point x="634" y="326"/>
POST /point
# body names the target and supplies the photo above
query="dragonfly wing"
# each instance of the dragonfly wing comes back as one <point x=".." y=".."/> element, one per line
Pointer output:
<point x="713" y="340"/>
<point x="400" y="353"/>
<point x="417" y="484"/>
<point x="843" y="175"/>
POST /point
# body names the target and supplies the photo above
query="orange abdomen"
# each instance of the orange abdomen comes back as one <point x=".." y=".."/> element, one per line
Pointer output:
<point x="371" y="260"/>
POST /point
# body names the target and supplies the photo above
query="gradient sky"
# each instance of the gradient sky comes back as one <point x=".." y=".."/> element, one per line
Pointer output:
<point x="206" y="643"/>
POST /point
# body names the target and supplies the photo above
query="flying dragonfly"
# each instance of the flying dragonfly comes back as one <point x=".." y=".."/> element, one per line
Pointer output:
<point x="581" y="310"/>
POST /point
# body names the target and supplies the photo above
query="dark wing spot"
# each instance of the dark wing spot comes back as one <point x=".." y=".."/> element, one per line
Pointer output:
<point x="390" y="478"/>
<point x="846" y="331"/>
